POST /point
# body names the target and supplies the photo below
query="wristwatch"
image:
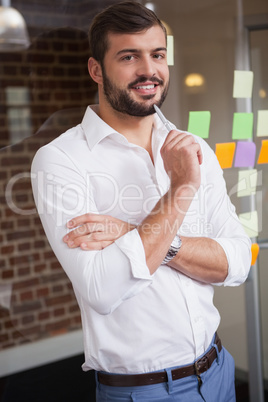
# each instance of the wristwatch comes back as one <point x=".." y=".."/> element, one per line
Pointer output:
<point x="173" y="249"/>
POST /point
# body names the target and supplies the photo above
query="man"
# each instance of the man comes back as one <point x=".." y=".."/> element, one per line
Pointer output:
<point x="151" y="226"/>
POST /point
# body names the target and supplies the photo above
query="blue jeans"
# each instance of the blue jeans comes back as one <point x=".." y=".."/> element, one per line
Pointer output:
<point x="217" y="386"/>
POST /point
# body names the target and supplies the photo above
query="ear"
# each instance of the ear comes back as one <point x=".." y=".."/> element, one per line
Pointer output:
<point x="95" y="71"/>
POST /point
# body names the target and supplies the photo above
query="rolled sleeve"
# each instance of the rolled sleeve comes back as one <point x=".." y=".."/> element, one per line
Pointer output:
<point x="227" y="229"/>
<point x="105" y="278"/>
<point x="238" y="253"/>
<point x="132" y="246"/>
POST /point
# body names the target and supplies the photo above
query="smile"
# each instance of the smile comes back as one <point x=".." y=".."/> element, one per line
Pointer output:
<point x="145" y="86"/>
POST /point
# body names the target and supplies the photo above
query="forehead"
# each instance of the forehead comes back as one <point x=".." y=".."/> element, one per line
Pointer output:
<point x="147" y="40"/>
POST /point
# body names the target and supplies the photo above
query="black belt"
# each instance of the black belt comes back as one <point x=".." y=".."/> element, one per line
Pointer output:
<point x="134" y="380"/>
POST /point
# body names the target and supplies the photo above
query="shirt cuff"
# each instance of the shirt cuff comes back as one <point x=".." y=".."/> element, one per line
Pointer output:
<point x="131" y="245"/>
<point x="238" y="254"/>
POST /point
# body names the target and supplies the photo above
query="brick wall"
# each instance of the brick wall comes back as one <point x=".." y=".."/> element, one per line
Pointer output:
<point x="47" y="89"/>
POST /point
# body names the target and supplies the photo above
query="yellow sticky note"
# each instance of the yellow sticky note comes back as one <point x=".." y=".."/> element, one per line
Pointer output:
<point x="247" y="182"/>
<point x="262" y="123"/>
<point x="243" y="84"/>
<point x="255" y="248"/>
<point x="263" y="156"/>
<point x="225" y="154"/>
<point x="170" y="50"/>
<point x="249" y="221"/>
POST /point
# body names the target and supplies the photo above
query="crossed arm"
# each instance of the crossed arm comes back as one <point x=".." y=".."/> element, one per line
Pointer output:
<point x="200" y="258"/>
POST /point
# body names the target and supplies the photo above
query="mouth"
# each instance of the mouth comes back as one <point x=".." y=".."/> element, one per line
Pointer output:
<point x="145" y="88"/>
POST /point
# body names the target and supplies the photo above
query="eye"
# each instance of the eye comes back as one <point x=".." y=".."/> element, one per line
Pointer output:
<point x="159" y="56"/>
<point x="129" y="57"/>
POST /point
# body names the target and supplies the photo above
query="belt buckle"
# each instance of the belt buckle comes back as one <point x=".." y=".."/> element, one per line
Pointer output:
<point x="196" y="368"/>
<point x="201" y="364"/>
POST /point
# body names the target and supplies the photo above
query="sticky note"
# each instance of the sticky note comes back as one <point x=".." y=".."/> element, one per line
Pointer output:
<point x="263" y="156"/>
<point x="262" y="123"/>
<point x="170" y="50"/>
<point x="225" y="154"/>
<point x="242" y="126"/>
<point x="243" y="84"/>
<point x="199" y="123"/>
<point x="255" y="248"/>
<point x="249" y="221"/>
<point x="247" y="182"/>
<point x="245" y="154"/>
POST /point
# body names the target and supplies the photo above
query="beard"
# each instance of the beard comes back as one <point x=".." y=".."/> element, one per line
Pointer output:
<point x="121" y="101"/>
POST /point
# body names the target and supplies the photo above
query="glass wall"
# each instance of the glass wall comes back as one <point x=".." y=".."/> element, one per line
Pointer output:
<point x="44" y="91"/>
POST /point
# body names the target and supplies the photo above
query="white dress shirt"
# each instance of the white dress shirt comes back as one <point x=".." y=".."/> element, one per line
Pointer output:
<point x="133" y="322"/>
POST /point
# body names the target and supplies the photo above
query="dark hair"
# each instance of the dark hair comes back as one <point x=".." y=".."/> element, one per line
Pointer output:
<point x="123" y="17"/>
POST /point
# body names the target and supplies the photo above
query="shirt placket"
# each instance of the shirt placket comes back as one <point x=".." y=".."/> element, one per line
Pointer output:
<point x="195" y="314"/>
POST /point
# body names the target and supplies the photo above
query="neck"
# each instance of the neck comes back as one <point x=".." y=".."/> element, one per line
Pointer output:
<point x="137" y="130"/>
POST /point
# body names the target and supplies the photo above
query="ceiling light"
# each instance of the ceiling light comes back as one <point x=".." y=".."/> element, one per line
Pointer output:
<point x="13" y="30"/>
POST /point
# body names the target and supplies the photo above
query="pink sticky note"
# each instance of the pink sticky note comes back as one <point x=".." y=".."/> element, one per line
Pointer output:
<point x="245" y="154"/>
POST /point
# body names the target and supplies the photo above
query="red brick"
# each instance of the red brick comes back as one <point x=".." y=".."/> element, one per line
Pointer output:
<point x="58" y="312"/>
<point x="29" y="283"/>
<point x="19" y="260"/>
<point x="53" y="301"/>
<point x="28" y="319"/>
<point x="3" y="338"/>
<point x="40" y="267"/>
<point x="55" y="265"/>
<point x="18" y="160"/>
<point x="44" y="315"/>
<point x="42" y="292"/>
<point x="27" y="307"/>
<point x="20" y="235"/>
<point x="24" y="271"/>
<point x="24" y="246"/>
<point x="7" y="249"/>
<point x="63" y="324"/>
<point x="7" y="274"/>
<point x="26" y="296"/>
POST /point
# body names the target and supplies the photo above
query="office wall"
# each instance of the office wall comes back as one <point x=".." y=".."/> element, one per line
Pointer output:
<point x="37" y="300"/>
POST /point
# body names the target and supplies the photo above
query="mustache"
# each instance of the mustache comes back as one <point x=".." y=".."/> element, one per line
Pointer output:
<point x="141" y="80"/>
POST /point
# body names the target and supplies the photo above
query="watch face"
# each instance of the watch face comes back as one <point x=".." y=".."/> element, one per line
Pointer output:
<point x="177" y="242"/>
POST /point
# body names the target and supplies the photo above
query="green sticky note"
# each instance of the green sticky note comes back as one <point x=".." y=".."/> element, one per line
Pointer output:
<point x="242" y="126"/>
<point x="262" y="123"/>
<point x="247" y="182"/>
<point x="243" y="84"/>
<point x="199" y="123"/>
<point x="249" y="220"/>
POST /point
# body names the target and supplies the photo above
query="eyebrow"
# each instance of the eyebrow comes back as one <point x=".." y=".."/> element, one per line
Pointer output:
<point x="158" y="49"/>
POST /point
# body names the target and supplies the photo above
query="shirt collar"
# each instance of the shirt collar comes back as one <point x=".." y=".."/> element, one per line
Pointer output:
<point x="96" y="129"/>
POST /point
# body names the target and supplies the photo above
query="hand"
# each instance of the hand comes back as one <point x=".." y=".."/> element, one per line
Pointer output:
<point x="182" y="156"/>
<point x="95" y="232"/>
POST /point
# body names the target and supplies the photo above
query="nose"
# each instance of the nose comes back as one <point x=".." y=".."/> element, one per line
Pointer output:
<point x="146" y="67"/>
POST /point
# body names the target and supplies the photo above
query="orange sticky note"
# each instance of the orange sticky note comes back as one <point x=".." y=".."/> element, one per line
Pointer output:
<point x="254" y="252"/>
<point x="263" y="157"/>
<point x="225" y="154"/>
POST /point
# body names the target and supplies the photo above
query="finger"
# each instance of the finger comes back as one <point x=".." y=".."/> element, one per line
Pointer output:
<point x="199" y="153"/>
<point x="174" y="135"/>
<point x="178" y="142"/>
<point x="74" y="242"/>
<point x="95" y="245"/>
<point x="84" y="230"/>
<point x="85" y="218"/>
